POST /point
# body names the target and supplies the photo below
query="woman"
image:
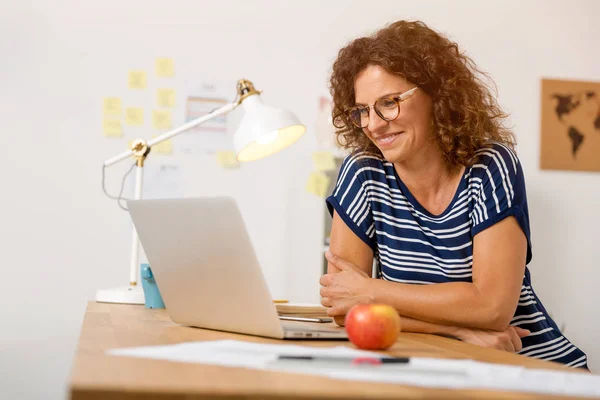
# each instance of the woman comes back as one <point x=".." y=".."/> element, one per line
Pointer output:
<point x="435" y="192"/>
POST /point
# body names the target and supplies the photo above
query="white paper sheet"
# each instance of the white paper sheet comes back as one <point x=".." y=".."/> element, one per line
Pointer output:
<point x="420" y="371"/>
<point x="161" y="181"/>
<point x="233" y="353"/>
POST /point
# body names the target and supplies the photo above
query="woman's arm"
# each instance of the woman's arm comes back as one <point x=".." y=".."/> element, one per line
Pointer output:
<point x="489" y="302"/>
<point x="351" y="248"/>
<point x="345" y="244"/>
<point x="416" y="326"/>
<point x="508" y="339"/>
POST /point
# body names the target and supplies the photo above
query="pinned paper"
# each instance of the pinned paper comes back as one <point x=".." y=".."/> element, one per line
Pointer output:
<point x="317" y="184"/>
<point x="112" y="128"/>
<point x="134" y="116"/>
<point x="112" y="106"/>
<point x="165" y="97"/>
<point x="323" y="161"/>
<point x="161" y="119"/>
<point x="164" y="147"/>
<point x="165" y="67"/>
<point x="324" y="128"/>
<point x="137" y="79"/>
<point x="227" y="159"/>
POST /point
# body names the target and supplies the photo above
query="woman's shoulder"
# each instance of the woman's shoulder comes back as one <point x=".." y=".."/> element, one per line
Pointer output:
<point x="496" y="157"/>
<point x="364" y="166"/>
<point x="495" y="153"/>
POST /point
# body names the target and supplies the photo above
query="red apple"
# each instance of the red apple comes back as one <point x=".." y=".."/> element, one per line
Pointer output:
<point x="372" y="326"/>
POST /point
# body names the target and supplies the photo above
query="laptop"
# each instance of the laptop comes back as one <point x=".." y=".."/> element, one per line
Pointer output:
<point x="206" y="270"/>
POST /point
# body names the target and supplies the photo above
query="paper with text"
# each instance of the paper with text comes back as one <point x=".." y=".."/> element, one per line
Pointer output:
<point x="112" y="128"/>
<point x="420" y="371"/>
<point x="165" y="97"/>
<point x="137" y="79"/>
<point x="165" y="67"/>
<point x="161" y="119"/>
<point x="323" y="161"/>
<point x="317" y="184"/>
<point x="112" y="106"/>
<point x="227" y="159"/>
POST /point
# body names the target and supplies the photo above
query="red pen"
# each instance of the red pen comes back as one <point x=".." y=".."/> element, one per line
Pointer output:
<point x="349" y="360"/>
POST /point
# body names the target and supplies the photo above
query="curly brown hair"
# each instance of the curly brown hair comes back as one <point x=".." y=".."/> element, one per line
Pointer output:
<point x="465" y="114"/>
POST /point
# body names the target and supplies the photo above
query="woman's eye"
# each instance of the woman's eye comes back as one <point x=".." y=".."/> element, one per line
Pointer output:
<point x="387" y="103"/>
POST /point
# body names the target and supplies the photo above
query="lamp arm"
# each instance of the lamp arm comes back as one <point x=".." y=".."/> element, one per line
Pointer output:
<point x="167" y="135"/>
<point x="141" y="155"/>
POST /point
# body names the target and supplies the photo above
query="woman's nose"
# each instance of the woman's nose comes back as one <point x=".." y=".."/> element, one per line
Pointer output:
<point x="375" y="121"/>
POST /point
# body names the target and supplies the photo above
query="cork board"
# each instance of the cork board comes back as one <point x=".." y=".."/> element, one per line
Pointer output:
<point x="570" y="128"/>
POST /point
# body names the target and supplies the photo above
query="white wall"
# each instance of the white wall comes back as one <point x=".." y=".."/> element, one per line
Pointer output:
<point x="62" y="239"/>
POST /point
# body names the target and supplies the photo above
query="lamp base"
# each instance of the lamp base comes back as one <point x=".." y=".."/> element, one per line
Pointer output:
<point x="123" y="295"/>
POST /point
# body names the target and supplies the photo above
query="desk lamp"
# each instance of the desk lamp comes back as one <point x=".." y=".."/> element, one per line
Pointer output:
<point x="263" y="131"/>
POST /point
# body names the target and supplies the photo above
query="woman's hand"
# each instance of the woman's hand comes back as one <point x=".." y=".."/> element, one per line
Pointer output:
<point x="509" y="339"/>
<point x="343" y="289"/>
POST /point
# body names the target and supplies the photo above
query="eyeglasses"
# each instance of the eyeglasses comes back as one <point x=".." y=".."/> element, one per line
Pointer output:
<point x="388" y="109"/>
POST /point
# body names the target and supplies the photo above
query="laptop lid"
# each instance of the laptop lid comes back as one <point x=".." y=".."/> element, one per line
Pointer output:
<point x="204" y="264"/>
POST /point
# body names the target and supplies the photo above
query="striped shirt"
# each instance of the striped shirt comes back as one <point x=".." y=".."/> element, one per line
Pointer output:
<point x="413" y="246"/>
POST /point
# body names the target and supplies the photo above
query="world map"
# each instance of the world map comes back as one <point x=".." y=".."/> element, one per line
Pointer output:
<point x="568" y="104"/>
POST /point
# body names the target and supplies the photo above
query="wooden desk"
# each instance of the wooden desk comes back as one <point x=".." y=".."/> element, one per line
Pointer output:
<point x="96" y="375"/>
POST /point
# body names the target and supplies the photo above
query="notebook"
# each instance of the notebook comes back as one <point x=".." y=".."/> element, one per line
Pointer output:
<point x="305" y="309"/>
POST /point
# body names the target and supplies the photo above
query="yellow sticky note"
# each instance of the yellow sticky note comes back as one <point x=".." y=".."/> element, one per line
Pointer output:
<point x="164" y="147"/>
<point x="226" y="159"/>
<point x="317" y="184"/>
<point x="165" y="97"/>
<point x="137" y="79"/>
<point x="161" y="119"/>
<point x="323" y="161"/>
<point x="112" y="127"/>
<point x="134" y="116"/>
<point x="112" y="106"/>
<point x="165" y="67"/>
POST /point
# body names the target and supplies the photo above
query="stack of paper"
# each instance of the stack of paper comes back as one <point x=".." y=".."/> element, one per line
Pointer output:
<point x="426" y="372"/>
<point x="419" y="371"/>
<point x="301" y="309"/>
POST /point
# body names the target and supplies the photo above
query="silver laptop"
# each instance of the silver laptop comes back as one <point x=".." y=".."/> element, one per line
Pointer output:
<point x="207" y="272"/>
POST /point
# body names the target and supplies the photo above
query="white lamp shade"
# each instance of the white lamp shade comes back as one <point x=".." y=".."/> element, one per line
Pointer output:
<point x="264" y="130"/>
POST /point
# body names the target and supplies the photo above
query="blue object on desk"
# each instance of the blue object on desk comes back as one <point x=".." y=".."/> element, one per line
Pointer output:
<point x="151" y="292"/>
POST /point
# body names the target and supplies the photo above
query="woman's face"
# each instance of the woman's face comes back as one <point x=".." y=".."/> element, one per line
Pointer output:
<point x="409" y="134"/>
